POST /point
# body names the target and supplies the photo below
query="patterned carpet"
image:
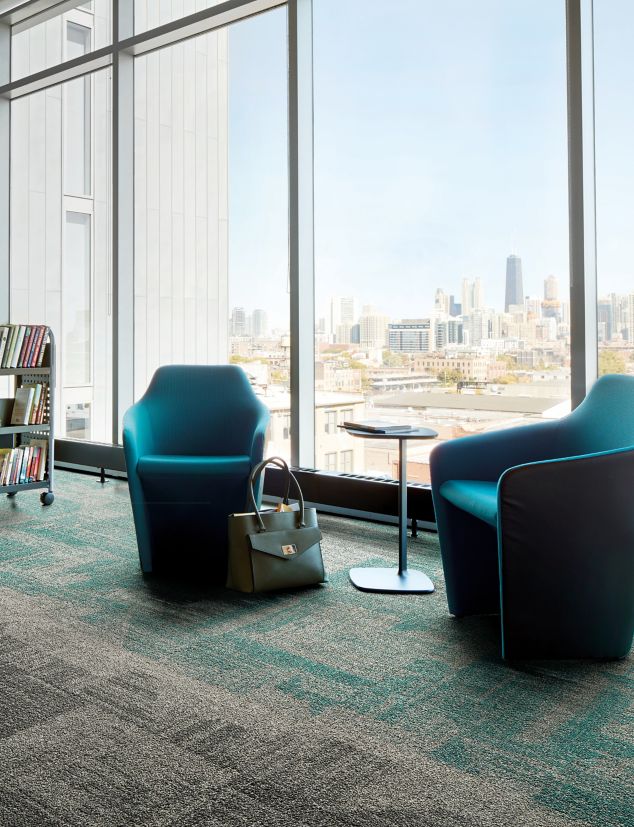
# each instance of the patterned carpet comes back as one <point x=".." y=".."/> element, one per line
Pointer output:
<point x="134" y="702"/>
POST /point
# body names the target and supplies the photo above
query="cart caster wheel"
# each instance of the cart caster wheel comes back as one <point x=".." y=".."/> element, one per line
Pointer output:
<point x="11" y="494"/>
<point x="47" y="498"/>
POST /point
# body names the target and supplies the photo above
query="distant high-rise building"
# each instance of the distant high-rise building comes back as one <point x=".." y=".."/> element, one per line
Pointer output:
<point x="455" y="308"/>
<point x="372" y="328"/>
<point x="551" y="306"/>
<point x="605" y="320"/>
<point x="532" y="308"/>
<point x="514" y="287"/>
<point x="411" y="336"/>
<point x="343" y="334"/>
<point x="342" y="311"/>
<point x="238" y="321"/>
<point x="551" y="288"/>
<point x="472" y="296"/>
<point x="441" y="301"/>
<point x="448" y="332"/>
<point x="630" y="319"/>
<point x="259" y="324"/>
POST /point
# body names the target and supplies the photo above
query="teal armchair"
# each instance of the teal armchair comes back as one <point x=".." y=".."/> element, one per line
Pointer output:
<point x="190" y="443"/>
<point x="536" y="523"/>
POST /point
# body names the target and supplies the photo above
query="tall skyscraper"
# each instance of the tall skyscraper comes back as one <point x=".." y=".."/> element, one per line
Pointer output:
<point x="342" y="312"/>
<point x="259" y="324"/>
<point x="472" y="298"/>
<point x="441" y="301"/>
<point x="514" y="286"/>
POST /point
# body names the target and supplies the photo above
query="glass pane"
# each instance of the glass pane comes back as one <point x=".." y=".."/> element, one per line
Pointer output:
<point x="77" y="119"/>
<point x="441" y="221"/>
<point x="76" y="322"/>
<point x="211" y="208"/>
<point x="49" y="43"/>
<point x="148" y="14"/>
<point x="614" y="116"/>
<point x="61" y="253"/>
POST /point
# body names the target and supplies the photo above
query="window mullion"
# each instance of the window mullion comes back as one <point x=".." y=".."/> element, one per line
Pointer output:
<point x="581" y="199"/>
<point x="5" y="167"/>
<point x="302" y="270"/>
<point x="122" y="217"/>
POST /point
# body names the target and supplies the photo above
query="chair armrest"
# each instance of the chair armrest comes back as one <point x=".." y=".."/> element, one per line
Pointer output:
<point x="566" y="556"/>
<point x="487" y="456"/>
<point x="259" y="434"/>
<point x="137" y="435"/>
<point x="606" y="475"/>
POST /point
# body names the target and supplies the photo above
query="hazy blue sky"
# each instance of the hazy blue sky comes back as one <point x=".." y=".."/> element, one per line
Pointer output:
<point x="440" y="148"/>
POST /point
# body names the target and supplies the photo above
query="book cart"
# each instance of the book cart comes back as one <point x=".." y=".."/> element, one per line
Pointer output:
<point x="21" y="434"/>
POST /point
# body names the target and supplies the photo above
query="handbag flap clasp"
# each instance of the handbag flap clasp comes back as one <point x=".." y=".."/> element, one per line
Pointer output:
<point x="286" y="544"/>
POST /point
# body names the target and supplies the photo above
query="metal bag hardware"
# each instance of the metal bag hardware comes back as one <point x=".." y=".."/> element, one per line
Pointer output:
<point x="274" y="549"/>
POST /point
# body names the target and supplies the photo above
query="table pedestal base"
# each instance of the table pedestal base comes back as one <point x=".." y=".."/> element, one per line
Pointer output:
<point x="389" y="580"/>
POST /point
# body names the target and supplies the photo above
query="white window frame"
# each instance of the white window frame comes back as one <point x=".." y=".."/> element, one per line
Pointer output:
<point x="119" y="55"/>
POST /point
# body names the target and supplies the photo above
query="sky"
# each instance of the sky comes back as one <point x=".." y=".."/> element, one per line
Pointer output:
<point x="440" y="148"/>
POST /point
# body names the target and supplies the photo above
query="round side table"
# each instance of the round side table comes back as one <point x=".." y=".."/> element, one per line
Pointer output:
<point x="399" y="579"/>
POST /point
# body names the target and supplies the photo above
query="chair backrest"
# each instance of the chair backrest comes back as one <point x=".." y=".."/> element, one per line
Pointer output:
<point x="604" y="421"/>
<point x="202" y="409"/>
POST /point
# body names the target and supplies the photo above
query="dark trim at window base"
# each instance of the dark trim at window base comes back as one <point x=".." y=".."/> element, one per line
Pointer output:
<point x="356" y="492"/>
<point x="95" y="455"/>
<point x="346" y="491"/>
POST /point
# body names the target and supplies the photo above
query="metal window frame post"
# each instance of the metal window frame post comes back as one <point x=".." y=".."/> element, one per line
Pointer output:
<point x="581" y="198"/>
<point x="122" y="217"/>
<point x="5" y="172"/>
<point x="301" y="231"/>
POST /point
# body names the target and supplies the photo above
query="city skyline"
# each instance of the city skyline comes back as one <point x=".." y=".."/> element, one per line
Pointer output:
<point x="401" y="208"/>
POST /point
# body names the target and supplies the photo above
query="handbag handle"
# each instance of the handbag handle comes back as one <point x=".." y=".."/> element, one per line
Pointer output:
<point x="280" y="463"/>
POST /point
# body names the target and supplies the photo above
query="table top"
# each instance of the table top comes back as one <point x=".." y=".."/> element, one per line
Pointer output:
<point x="413" y="433"/>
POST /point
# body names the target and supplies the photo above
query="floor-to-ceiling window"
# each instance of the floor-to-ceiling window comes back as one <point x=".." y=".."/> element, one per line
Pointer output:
<point x="211" y="208"/>
<point x="441" y="220"/>
<point x="614" y="122"/>
<point x="61" y="214"/>
<point x="441" y="231"/>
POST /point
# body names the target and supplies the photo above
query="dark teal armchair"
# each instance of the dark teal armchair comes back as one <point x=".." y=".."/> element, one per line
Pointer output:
<point x="536" y="523"/>
<point x="190" y="443"/>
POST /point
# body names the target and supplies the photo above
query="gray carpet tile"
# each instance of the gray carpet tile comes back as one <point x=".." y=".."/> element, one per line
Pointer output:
<point x="132" y="701"/>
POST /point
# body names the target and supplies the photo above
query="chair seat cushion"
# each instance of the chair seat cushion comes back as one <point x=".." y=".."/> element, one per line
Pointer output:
<point x="477" y="497"/>
<point x="167" y="465"/>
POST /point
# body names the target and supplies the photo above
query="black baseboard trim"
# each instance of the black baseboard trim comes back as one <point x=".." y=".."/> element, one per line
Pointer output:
<point x="348" y="492"/>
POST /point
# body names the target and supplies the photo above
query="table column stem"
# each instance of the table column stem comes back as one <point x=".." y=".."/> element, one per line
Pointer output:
<point x="402" y="505"/>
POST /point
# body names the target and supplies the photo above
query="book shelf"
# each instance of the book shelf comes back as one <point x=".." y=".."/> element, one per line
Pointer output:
<point x="16" y="436"/>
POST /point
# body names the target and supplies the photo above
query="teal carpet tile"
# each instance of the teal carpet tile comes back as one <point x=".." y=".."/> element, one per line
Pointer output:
<point x="132" y="701"/>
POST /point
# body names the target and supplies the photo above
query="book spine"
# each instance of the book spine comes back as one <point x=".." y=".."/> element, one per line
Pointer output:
<point x="5" y="460"/>
<point x="36" y="462"/>
<point x="41" y="471"/>
<point x="44" y="403"/>
<point x="37" y="346"/>
<point x="14" y="466"/>
<point x="18" y="346"/>
<point x="29" y="353"/>
<point x="40" y="356"/>
<point x="28" y="334"/>
<point x="6" y="360"/>
<point x="4" y="334"/>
